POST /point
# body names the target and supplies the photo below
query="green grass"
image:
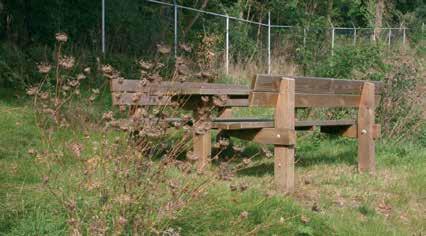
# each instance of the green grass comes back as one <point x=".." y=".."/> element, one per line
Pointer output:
<point x="390" y="203"/>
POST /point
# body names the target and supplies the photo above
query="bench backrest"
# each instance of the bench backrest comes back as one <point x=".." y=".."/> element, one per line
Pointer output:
<point x="310" y="92"/>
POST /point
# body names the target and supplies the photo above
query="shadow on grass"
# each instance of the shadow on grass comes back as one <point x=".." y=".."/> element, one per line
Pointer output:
<point x="326" y="152"/>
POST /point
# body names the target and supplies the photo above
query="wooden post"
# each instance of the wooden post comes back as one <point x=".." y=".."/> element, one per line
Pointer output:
<point x="284" y="119"/>
<point x="366" y="153"/>
<point x="201" y="144"/>
<point x="202" y="149"/>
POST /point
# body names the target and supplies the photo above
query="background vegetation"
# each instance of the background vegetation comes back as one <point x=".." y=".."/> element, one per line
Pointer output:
<point x="63" y="172"/>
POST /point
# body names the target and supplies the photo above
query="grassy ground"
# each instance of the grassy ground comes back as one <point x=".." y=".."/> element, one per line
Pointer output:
<point x="331" y="197"/>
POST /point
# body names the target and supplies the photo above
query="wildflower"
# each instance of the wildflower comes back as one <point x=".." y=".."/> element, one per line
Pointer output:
<point x="92" y="98"/>
<point x="32" y="151"/>
<point x="107" y="116"/>
<point x="44" y="68"/>
<point x="244" y="215"/>
<point x="76" y="149"/>
<point x="122" y="220"/>
<point x="237" y="149"/>
<point x="246" y="161"/>
<point x="44" y="96"/>
<point x="67" y="62"/>
<point x="45" y="179"/>
<point x="107" y="69"/>
<point x="62" y="37"/>
<point x="73" y="83"/>
<point x="81" y="77"/>
<point x="191" y="156"/>
<point x="95" y="91"/>
<point x="206" y="75"/>
<point x="145" y="65"/>
<point x="66" y="88"/>
<point x="185" y="47"/>
<point x="32" y="91"/>
<point x="163" y="49"/>
<point x="223" y="143"/>
<point x="87" y="70"/>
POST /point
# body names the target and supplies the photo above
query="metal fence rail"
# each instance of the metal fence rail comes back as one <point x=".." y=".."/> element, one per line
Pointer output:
<point x="268" y="25"/>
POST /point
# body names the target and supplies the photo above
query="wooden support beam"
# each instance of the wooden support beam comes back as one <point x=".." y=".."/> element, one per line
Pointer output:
<point x="201" y="144"/>
<point x="284" y="154"/>
<point x="265" y="135"/>
<point x="366" y="152"/>
<point x="350" y="131"/>
<point x="202" y="149"/>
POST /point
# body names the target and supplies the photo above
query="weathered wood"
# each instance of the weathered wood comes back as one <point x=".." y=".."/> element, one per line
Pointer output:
<point x="265" y="135"/>
<point x="139" y="99"/>
<point x="202" y="149"/>
<point x="284" y="154"/>
<point x="185" y="88"/>
<point x="312" y="85"/>
<point x="350" y="131"/>
<point x="256" y="123"/>
<point x="366" y="153"/>
<point x="269" y="99"/>
<point x="201" y="145"/>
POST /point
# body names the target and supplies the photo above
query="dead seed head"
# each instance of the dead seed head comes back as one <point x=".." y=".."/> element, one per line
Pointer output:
<point x="81" y="77"/>
<point x="186" y="48"/>
<point x="145" y="65"/>
<point x="44" y="96"/>
<point x="191" y="156"/>
<point x="163" y="49"/>
<point x="67" y="62"/>
<point x="32" y="91"/>
<point x="61" y="37"/>
<point x="244" y="215"/>
<point x="87" y="70"/>
<point x="44" y="68"/>
<point x="108" y="116"/>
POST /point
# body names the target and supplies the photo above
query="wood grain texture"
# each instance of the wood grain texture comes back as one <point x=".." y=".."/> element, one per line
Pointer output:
<point x="284" y="154"/>
<point x="265" y="135"/>
<point x="269" y="99"/>
<point x="366" y="147"/>
<point x="312" y="85"/>
<point x="183" y="88"/>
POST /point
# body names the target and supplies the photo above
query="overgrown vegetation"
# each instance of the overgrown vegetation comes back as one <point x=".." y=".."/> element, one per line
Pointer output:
<point x="69" y="166"/>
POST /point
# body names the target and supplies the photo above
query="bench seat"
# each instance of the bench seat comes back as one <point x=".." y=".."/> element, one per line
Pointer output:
<point x="257" y="123"/>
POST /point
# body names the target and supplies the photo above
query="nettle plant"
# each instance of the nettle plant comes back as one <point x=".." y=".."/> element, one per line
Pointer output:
<point x="111" y="181"/>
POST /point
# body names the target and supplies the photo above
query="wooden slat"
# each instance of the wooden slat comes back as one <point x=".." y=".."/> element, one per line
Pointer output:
<point x="256" y="123"/>
<point x="267" y="99"/>
<point x="350" y="131"/>
<point x="142" y="100"/>
<point x="185" y="88"/>
<point x="312" y="85"/>
<point x="265" y="135"/>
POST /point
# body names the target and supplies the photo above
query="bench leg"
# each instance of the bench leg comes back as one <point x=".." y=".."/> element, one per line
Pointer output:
<point x="284" y="168"/>
<point x="366" y="150"/>
<point x="284" y="155"/>
<point x="202" y="149"/>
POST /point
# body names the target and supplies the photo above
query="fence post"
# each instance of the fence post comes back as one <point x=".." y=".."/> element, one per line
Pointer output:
<point x="403" y="36"/>
<point x="332" y="41"/>
<point x="354" y="36"/>
<point x="227" y="46"/>
<point x="103" y="27"/>
<point x="389" y="37"/>
<point x="269" y="42"/>
<point x="175" y="27"/>
<point x="304" y="37"/>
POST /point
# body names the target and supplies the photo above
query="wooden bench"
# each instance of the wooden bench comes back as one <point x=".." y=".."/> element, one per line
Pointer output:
<point x="282" y="93"/>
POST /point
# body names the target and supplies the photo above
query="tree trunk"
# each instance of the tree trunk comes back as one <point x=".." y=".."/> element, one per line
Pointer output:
<point x="380" y="5"/>
<point x="193" y="20"/>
